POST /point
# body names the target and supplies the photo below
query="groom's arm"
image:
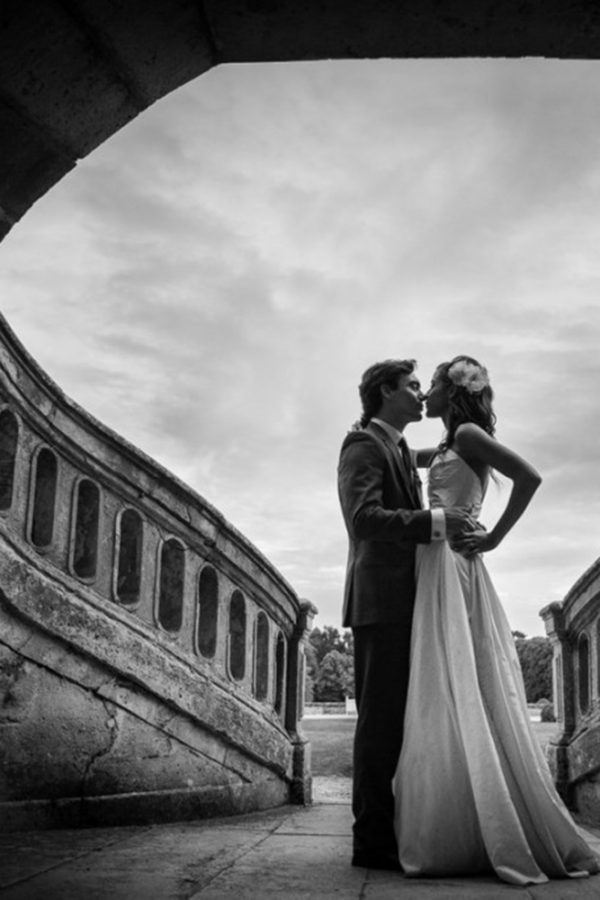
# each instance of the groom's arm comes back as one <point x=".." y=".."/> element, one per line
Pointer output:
<point x="360" y="485"/>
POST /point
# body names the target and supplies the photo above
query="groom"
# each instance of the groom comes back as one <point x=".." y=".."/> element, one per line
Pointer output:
<point x="380" y="497"/>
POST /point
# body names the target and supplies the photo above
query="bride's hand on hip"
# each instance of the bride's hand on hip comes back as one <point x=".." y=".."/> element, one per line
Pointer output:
<point x="478" y="541"/>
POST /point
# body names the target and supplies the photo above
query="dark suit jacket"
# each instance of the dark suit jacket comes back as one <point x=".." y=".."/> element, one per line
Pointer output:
<point x="384" y="520"/>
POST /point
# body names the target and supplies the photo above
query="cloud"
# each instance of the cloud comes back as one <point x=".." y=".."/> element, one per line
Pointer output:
<point x="217" y="276"/>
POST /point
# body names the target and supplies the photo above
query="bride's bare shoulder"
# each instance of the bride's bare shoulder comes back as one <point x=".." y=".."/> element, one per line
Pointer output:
<point x="470" y="437"/>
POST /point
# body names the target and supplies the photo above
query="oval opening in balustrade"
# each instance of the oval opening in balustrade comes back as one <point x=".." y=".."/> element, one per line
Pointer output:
<point x="583" y="659"/>
<point x="261" y="657"/>
<point x="558" y="682"/>
<point x="208" y="610"/>
<point x="129" y="566"/>
<point x="598" y="657"/>
<point x="279" y="673"/>
<point x="170" y="592"/>
<point x="237" y="636"/>
<point x="9" y="436"/>
<point x="85" y="538"/>
<point x="44" y="498"/>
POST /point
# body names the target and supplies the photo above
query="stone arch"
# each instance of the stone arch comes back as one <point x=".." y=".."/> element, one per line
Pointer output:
<point x="72" y="74"/>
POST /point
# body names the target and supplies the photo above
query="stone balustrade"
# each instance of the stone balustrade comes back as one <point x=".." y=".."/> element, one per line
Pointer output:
<point x="574" y="753"/>
<point x="133" y="591"/>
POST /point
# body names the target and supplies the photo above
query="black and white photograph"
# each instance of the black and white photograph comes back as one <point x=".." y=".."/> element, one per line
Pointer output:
<point x="299" y="428"/>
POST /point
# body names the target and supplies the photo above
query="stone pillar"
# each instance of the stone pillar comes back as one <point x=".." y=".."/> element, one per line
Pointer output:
<point x="301" y="785"/>
<point x="564" y="697"/>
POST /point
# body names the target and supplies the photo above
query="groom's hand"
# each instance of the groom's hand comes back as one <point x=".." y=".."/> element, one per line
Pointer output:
<point x="458" y="523"/>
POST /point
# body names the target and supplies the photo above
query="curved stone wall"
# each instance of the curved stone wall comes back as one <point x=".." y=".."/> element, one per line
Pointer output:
<point x="73" y="72"/>
<point x="574" y="754"/>
<point x="151" y="659"/>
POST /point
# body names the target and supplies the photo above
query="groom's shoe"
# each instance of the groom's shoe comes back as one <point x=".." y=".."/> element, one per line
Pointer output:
<point x="365" y="860"/>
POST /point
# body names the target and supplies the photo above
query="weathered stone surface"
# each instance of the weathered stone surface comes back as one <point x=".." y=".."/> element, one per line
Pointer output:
<point x="146" y="807"/>
<point x="61" y="739"/>
<point x="52" y="70"/>
<point x="587" y="799"/>
<point x="30" y="164"/>
<point x="288" y="30"/>
<point x="160" y="45"/>
<point x="18" y="687"/>
<point x="313" y="860"/>
<point x="49" y="752"/>
<point x="130" y="653"/>
<point x="289" y="852"/>
<point x="584" y="753"/>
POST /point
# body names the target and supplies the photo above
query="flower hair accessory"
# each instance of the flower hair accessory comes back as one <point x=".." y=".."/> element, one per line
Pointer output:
<point x="468" y="375"/>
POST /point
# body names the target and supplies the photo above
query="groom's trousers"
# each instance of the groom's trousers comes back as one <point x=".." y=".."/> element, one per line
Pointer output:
<point x="381" y="670"/>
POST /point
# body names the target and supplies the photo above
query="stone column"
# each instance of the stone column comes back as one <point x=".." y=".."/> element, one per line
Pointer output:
<point x="301" y="784"/>
<point x="564" y="697"/>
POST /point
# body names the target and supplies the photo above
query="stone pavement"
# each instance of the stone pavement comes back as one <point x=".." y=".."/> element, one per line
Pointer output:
<point x="291" y="852"/>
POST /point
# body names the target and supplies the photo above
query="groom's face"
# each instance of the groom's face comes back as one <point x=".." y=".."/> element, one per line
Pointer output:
<point x="405" y="401"/>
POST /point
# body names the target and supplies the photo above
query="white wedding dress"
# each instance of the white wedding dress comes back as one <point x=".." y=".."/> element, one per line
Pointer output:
<point x="473" y="790"/>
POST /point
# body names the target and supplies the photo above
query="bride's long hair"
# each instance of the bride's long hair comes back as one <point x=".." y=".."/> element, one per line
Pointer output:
<point x="469" y="401"/>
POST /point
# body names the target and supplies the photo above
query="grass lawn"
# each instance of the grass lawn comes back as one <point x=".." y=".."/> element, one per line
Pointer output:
<point x="331" y="743"/>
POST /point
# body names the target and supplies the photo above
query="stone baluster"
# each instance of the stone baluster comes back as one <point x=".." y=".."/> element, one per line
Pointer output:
<point x="564" y="696"/>
<point x="301" y="785"/>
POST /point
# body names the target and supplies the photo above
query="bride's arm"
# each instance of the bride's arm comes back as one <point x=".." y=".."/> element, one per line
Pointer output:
<point x="424" y="456"/>
<point x="472" y="443"/>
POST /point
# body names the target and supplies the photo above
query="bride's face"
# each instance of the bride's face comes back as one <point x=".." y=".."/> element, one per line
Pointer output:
<point x="436" y="401"/>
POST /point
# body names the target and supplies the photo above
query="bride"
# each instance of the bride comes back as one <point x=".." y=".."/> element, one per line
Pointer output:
<point x="473" y="792"/>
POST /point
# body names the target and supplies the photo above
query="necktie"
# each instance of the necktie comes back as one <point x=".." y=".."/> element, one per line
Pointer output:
<point x="407" y="464"/>
<point x="405" y="454"/>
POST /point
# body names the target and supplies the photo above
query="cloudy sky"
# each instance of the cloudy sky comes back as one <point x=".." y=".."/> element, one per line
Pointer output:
<point x="212" y="282"/>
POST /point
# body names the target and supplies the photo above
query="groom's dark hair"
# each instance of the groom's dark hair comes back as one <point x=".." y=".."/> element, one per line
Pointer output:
<point x="387" y="372"/>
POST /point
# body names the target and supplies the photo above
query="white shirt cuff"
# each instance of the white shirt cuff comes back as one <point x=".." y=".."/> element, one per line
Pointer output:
<point x="438" y="525"/>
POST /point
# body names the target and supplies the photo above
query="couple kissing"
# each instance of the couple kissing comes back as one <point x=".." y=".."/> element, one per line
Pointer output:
<point x="448" y="776"/>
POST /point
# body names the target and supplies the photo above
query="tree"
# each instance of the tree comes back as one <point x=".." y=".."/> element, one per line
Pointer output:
<point x="535" y="656"/>
<point x="310" y="655"/>
<point x="330" y="678"/>
<point x="349" y="663"/>
<point x="335" y="677"/>
<point x="325" y="641"/>
<point x="348" y="639"/>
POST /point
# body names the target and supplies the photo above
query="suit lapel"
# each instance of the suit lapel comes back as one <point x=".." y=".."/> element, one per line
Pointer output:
<point x="407" y="481"/>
